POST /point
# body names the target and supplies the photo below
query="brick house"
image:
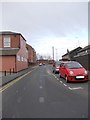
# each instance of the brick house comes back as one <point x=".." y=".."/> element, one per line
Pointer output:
<point x="42" y="61"/>
<point x="83" y="57"/>
<point x="34" y="55"/>
<point x="70" y="54"/>
<point x="46" y="61"/>
<point x="13" y="53"/>
<point x="31" y="55"/>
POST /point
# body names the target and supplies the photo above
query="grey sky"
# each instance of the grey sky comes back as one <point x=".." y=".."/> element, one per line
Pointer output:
<point x="46" y="24"/>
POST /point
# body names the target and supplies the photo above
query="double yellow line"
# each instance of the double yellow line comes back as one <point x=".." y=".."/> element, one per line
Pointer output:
<point x="13" y="82"/>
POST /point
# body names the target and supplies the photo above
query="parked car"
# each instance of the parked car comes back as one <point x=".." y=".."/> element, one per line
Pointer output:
<point x="40" y="64"/>
<point x="73" y="71"/>
<point x="56" y="66"/>
<point x="43" y="63"/>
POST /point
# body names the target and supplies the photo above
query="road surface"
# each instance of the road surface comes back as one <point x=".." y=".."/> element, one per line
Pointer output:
<point x="42" y="94"/>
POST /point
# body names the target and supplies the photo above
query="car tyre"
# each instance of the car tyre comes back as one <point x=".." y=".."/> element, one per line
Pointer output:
<point x="60" y="75"/>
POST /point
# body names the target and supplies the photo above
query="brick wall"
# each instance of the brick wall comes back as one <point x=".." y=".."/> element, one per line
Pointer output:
<point x="22" y="53"/>
<point x="8" y="62"/>
<point x="15" y="41"/>
<point x="1" y="41"/>
<point x="31" y="54"/>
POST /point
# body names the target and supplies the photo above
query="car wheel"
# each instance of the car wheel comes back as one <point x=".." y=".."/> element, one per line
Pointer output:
<point x="60" y="75"/>
<point x="66" y="78"/>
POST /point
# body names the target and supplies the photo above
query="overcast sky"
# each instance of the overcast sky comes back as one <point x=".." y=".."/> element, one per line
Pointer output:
<point x="63" y="25"/>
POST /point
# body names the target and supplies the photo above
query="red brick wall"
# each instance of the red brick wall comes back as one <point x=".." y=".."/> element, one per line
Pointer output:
<point x="0" y="63"/>
<point x="1" y="43"/>
<point x="7" y="63"/>
<point x="30" y="53"/>
<point x="34" y="56"/>
<point x="22" y="53"/>
<point x="15" y="41"/>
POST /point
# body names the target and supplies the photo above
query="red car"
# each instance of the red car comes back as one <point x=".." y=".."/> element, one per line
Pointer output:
<point x="73" y="71"/>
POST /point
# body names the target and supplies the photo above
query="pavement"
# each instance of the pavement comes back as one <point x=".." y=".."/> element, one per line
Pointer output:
<point x="9" y="77"/>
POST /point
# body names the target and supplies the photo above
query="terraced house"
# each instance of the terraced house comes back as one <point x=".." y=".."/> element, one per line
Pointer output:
<point x="13" y="52"/>
<point x="31" y="55"/>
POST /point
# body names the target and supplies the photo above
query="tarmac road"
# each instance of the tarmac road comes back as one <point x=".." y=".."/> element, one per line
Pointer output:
<point x="42" y="94"/>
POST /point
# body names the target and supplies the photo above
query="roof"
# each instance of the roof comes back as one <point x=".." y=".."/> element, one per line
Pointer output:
<point x="8" y="52"/>
<point x="69" y="61"/>
<point x="11" y="33"/>
<point x="29" y="46"/>
<point x="78" y="48"/>
<point x="42" y="60"/>
<point x="85" y="48"/>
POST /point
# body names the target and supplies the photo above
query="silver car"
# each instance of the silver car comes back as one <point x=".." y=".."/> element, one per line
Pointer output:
<point x="56" y="66"/>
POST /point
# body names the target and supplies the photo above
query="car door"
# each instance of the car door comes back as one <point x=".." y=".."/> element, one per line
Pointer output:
<point x="61" y="69"/>
<point x="64" y="71"/>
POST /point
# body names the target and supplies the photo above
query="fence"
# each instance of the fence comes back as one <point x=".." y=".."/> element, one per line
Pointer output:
<point x="84" y="60"/>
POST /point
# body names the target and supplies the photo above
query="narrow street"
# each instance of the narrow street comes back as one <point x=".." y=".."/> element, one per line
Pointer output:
<point x="42" y="94"/>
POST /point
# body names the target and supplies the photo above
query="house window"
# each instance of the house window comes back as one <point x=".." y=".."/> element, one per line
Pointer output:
<point x="25" y="59"/>
<point x="7" y="41"/>
<point x="22" y="58"/>
<point x="26" y="50"/>
<point x="18" y="58"/>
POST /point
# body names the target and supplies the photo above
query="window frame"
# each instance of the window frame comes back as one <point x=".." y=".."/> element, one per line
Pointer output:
<point x="6" y="41"/>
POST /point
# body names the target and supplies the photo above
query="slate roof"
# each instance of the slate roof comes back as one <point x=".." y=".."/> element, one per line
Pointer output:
<point x="85" y="48"/>
<point x="72" y="51"/>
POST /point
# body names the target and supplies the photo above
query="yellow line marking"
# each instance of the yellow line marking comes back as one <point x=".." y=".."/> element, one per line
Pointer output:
<point x="13" y="82"/>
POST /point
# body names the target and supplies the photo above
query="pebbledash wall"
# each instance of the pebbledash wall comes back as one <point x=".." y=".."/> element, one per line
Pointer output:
<point x="13" y="53"/>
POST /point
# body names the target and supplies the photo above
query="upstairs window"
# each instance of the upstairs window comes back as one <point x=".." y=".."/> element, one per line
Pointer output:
<point x="7" y="41"/>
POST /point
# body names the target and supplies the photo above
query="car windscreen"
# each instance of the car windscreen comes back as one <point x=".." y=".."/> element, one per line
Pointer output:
<point x="73" y="65"/>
